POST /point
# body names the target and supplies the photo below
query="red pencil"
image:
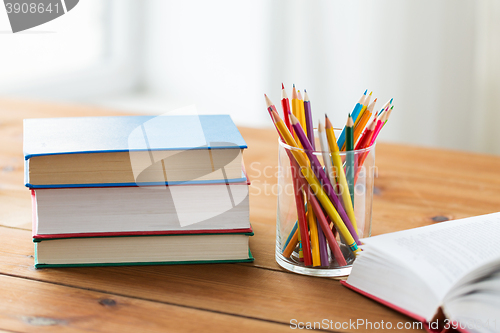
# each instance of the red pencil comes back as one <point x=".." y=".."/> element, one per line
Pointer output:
<point x="299" y="199"/>
<point x="285" y="104"/>
<point x="365" y="139"/>
<point x="324" y="224"/>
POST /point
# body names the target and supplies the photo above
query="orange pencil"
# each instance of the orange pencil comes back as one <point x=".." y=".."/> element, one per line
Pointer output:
<point x="358" y="129"/>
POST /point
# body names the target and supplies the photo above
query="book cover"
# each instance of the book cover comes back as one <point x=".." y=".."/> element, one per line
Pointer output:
<point x="249" y="259"/>
<point x="107" y="213"/>
<point x="426" y="325"/>
<point x="53" y="136"/>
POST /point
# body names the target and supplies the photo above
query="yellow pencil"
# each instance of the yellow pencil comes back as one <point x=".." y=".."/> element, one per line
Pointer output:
<point x="302" y="113"/>
<point x="314" y="184"/>
<point x="313" y="228"/>
<point x="296" y="108"/>
<point x="337" y="163"/>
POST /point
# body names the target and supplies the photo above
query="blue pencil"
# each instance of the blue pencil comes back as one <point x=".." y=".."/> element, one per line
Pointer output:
<point x="357" y="110"/>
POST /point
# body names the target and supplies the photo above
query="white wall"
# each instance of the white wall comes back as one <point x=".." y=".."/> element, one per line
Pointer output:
<point x="224" y="55"/>
<point x="208" y="53"/>
<point x="439" y="60"/>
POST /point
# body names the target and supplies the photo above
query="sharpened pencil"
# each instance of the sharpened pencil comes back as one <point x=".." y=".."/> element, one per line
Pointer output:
<point x="357" y="109"/>
<point x="285" y="105"/>
<point x="339" y="168"/>
<point x="349" y="156"/>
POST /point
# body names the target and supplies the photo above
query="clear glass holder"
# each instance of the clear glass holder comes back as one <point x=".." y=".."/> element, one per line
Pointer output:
<point x="362" y="176"/>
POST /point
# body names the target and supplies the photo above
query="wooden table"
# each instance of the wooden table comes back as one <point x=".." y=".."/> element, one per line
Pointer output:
<point x="415" y="187"/>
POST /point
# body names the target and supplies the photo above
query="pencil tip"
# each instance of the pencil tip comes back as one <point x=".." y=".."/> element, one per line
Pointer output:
<point x="370" y="93"/>
<point x="321" y="128"/>
<point x="374" y="100"/>
<point x="365" y="92"/>
<point x="282" y="86"/>
<point x="305" y="90"/>
<point x="294" y="85"/>
<point x="268" y="101"/>
<point x="328" y="124"/>
<point x="390" y="102"/>
<point x="293" y="119"/>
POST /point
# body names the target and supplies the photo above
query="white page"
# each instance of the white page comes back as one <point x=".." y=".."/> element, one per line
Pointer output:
<point x="441" y="254"/>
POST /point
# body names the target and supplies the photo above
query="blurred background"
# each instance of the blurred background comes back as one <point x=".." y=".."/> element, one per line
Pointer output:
<point x="439" y="60"/>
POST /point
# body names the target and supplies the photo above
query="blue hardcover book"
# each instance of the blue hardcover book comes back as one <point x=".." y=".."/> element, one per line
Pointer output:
<point x="132" y="151"/>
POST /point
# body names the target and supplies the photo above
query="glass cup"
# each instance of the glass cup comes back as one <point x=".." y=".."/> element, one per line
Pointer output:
<point x="362" y="176"/>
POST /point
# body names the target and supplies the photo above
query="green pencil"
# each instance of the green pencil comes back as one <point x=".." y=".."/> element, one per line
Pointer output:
<point x="349" y="147"/>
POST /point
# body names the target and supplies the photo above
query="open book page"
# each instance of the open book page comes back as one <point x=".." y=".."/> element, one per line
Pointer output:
<point x="441" y="254"/>
<point x="375" y="273"/>
<point x="476" y="305"/>
<point x="476" y="312"/>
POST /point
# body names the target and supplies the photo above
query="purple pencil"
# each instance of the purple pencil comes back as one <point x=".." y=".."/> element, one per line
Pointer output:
<point x="309" y="121"/>
<point x="320" y="173"/>
<point x="310" y="135"/>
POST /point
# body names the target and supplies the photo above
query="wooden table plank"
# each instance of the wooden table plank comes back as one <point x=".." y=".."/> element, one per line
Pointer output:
<point x="32" y="306"/>
<point x="238" y="289"/>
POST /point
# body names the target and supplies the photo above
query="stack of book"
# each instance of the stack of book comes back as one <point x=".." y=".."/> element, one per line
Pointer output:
<point x="137" y="190"/>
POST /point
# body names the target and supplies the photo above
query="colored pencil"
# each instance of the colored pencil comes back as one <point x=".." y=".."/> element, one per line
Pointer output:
<point x="365" y="140"/>
<point x="331" y="176"/>
<point x="357" y="109"/>
<point x="349" y="156"/>
<point x="378" y="127"/>
<point x="292" y="244"/>
<point x="302" y="113"/>
<point x="310" y="135"/>
<point x="388" y="115"/>
<point x="325" y="227"/>
<point x="295" y="109"/>
<point x="291" y="235"/>
<point x="363" y="143"/>
<point x="360" y="126"/>
<point x="321" y="175"/>
<point x="388" y="103"/>
<point x="357" y="117"/>
<point x="302" y="236"/>
<point x="325" y="151"/>
<point x="315" y="185"/>
<point x="285" y="105"/>
<point x="299" y="203"/>
<point x="309" y="121"/>
<point x="339" y="168"/>
<point x="313" y="229"/>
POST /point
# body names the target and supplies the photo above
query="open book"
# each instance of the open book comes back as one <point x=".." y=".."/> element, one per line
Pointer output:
<point x="448" y="271"/>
